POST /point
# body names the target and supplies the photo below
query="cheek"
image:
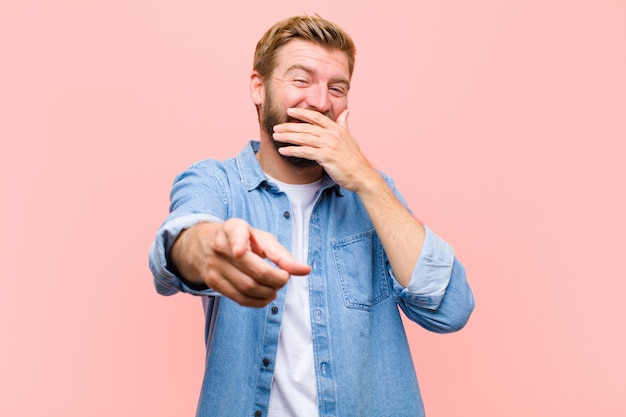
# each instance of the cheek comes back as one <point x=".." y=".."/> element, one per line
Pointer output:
<point x="339" y="105"/>
<point x="293" y="97"/>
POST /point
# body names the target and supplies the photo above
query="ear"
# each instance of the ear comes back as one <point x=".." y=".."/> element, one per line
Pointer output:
<point x="257" y="88"/>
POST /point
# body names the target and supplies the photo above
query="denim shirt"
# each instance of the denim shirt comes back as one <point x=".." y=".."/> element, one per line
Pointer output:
<point x="362" y="359"/>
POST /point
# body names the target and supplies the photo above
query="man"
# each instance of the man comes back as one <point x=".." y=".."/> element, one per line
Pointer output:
<point x="303" y="252"/>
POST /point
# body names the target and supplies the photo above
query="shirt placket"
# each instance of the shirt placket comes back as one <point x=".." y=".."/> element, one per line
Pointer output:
<point x="269" y="344"/>
<point x="319" y="316"/>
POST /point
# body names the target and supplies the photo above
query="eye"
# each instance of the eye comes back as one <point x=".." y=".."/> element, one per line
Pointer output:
<point x="301" y="82"/>
<point x="337" y="91"/>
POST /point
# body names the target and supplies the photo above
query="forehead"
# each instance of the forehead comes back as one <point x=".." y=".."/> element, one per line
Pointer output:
<point x="324" y="61"/>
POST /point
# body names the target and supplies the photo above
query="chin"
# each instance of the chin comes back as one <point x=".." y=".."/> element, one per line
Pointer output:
<point x="301" y="162"/>
<point x="293" y="160"/>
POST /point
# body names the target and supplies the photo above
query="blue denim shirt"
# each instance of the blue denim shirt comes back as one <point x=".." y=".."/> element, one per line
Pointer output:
<point x="362" y="360"/>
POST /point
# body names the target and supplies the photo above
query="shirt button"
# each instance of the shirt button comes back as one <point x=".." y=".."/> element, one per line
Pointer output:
<point x="286" y="214"/>
<point x="258" y="413"/>
<point x="274" y="310"/>
<point x="266" y="361"/>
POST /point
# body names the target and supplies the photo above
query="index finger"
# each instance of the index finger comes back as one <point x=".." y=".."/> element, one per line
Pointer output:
<point x="265" y="245"/>
<point x="310" y="116"/>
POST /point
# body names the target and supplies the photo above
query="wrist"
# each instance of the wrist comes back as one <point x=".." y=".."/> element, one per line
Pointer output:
<point x="180" y="259"/>
<point x="372" y="185"/>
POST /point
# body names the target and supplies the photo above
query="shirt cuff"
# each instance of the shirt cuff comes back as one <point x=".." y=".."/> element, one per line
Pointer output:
<point x="165" y="281"/>
<point x="432" y="273"/>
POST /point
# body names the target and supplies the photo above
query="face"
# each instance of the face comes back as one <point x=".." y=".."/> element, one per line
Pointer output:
<point x="271" y="115"/>
<point x="308" y="76"/>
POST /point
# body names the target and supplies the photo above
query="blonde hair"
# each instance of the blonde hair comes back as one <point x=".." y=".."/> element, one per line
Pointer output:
<point x="308" y="28"/>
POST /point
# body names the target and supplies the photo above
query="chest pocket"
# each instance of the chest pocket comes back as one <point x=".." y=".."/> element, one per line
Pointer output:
<point x="360" y="263"/>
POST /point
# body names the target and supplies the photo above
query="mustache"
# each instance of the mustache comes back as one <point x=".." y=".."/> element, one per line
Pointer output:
<point x="327" y="113"/>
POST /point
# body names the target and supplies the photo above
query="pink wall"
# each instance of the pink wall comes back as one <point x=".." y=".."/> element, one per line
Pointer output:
<point x="503" y="122"/>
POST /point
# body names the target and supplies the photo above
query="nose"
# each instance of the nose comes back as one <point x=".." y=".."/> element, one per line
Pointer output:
<point x="318" y="98"/>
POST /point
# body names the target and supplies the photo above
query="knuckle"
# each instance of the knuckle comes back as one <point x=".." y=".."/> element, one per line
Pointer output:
<point x="213" y="279"/>
<point x="217" y="246"/>
<point x="231" y="225"/>
<point x="241" y="299"/>
<point x="247" y="286"/>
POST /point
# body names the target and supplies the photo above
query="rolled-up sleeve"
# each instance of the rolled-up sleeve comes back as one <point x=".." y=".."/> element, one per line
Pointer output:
<point x="432" y="272"/>
<point x="198" y="195"/>
<point x="165" y="281"/>
<point x="438" y="296"/>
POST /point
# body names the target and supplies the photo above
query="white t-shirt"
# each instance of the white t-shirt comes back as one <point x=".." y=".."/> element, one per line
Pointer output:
<point x="294" y="390"/>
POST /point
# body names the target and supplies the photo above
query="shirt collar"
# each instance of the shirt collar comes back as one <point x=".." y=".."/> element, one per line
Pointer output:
<point x="252" y="174"/>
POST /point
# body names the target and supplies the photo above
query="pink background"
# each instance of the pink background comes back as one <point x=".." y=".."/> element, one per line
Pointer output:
<point x="504" y="123"/>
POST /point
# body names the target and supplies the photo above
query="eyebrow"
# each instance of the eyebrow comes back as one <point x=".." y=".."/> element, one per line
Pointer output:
<point x="308" y="70"/>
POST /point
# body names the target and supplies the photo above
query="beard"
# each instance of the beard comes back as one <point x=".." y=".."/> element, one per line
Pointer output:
<point x="271" y="115"/>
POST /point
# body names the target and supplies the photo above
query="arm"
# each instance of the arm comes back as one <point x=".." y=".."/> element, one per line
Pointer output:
<point x="431" y="284"/>
<point x="196" y="251"/>
<point x="400" y="233"/>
